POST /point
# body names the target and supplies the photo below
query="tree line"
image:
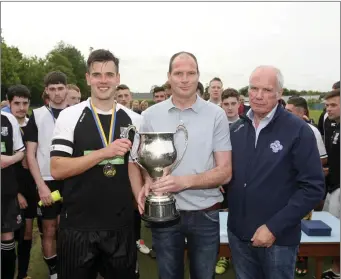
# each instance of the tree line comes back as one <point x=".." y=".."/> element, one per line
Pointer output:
<point x="30" y="71"/>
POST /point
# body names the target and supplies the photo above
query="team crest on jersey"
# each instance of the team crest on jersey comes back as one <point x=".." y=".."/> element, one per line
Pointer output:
<point x="276" y="146"/>
<point x="4" y="131"/>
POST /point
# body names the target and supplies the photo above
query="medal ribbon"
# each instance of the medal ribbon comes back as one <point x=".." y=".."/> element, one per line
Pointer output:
<point x="100" y="127"/>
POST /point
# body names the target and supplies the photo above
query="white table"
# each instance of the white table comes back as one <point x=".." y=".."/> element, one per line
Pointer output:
<point x="318" y="247"/>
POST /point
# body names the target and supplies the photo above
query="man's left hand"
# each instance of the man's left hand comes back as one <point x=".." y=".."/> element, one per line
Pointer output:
<point x="263" y="237"/>
<point x="169" y="184"/>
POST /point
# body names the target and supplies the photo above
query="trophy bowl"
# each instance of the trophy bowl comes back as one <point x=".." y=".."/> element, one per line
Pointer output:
<point x="157" y="155"/>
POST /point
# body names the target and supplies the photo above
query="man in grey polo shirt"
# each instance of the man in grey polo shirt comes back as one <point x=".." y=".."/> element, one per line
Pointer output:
<point x="195" y="182"/>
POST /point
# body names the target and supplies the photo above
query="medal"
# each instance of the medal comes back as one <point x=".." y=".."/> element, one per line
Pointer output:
<point x="109" y="169"/>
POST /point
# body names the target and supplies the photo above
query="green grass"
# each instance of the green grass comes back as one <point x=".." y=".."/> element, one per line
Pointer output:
<point x="315" y="114"/>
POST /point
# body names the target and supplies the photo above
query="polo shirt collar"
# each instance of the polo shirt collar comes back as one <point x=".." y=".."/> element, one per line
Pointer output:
<point x="199" y="103"/>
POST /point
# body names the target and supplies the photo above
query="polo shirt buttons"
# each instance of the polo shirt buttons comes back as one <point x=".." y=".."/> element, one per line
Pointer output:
<point x="244" y="185"/>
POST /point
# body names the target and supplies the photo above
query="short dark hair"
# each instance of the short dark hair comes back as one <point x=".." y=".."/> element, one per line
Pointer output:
<point x="178" y="54"/>
<point x="230" y="92"/>
<point x="18" y="90"/>
<point x="299" y="102"/>
<point x="158" y="89"/>
<point x="332" y="94"/>
<point x="102" y="55"/>
<point x="216" y="79"/>
<point x="55" y="77"/>
<point x="200" y="87"/>
<point x="122" y="87"/>
<point x="336" y="85"/>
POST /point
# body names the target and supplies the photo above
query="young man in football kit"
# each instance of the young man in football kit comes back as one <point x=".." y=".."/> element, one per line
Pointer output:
<point x="19" y="101"/>
<point x="97" y="220"/>
<point x="12" y="151"/>
<point x="38" y="135"/>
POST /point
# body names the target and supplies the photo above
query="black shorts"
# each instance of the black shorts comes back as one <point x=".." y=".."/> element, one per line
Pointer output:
<point x="30" y="212"/>
<point x="84" y="254"/>
<point x="51" y="212"/>
<point x="11" y="219"/>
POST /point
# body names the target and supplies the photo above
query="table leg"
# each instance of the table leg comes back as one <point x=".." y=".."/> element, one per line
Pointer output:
<point x="318" y="267"/>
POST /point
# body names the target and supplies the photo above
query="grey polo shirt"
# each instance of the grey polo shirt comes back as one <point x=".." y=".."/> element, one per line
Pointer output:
<point x="208" y="132"/>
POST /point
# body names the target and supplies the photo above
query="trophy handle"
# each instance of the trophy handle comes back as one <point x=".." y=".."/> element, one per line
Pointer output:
<point x="177" y="162"/>
<point x="125" y="135"/>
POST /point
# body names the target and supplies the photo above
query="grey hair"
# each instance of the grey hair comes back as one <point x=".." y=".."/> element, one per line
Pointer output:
<point x="280" y="79"/>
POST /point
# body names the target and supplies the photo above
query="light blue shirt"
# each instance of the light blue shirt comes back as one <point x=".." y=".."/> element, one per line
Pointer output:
<point x="6" y="109"/>
<point x="208" y="132"/>
<point x="263" y="123"/>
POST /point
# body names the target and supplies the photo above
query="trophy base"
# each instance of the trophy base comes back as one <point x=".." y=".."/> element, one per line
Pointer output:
<point x="156" y="220"/>
<point x="160" y="209"/>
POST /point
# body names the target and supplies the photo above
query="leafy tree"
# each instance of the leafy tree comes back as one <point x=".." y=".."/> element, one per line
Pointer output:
<point x="10" y="58"/>
<point x="244" y="91"/>
<point x="55" y="61"/>
<point x="77" y="60"/>
<point x="31" y="72"/>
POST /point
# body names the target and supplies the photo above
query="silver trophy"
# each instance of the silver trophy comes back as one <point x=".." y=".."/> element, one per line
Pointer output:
<point x="157" y="155"/>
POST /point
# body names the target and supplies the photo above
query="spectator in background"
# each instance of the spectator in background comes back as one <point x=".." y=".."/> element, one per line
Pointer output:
<point x="230" y="104"/>
<point x="38" y="134"/>
<point x="144" y="105"/>
<point x="135" y="106"/>
<point x="12" y="151"/>
<point x="215" y="89"/>
<point x="243" y="109"/>
<point x="324" y="123"/>
<point x="332" y="202"/>
<point x="73" y="96"/>
<point x="168" y="90"/>
<point x="299" y="107"/>
<point x="46" y="99"/>
<point x="159" y="94"/>
<point x="206" y="95"/>
<point x="200" y="90"/>
<point x="123" y="95"/>
<point x="19" y="100"/>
